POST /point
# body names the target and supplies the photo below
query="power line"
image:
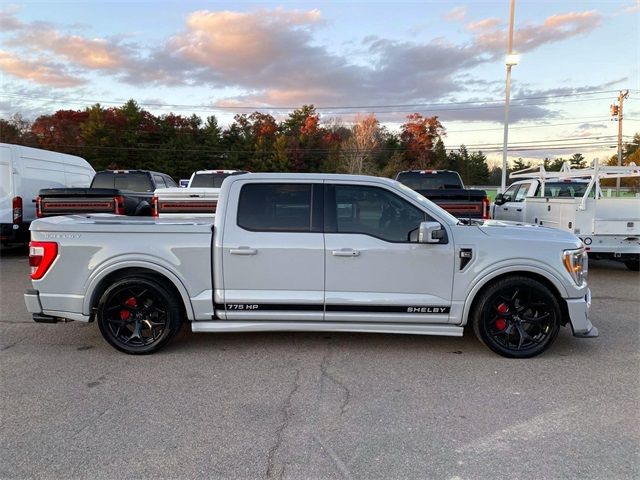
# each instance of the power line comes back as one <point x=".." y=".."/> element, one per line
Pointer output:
<point x="479" y="103"/>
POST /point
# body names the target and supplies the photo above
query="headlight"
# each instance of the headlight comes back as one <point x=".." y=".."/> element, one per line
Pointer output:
<point x="576" y="263"/>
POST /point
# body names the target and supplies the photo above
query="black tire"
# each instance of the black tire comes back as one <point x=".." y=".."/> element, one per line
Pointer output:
<point x="517" y="317"/>
<point x="633" y="265"/>
<point x="139" y="314"/>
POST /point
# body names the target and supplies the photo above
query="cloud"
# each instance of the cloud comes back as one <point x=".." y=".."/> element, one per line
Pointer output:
<point x="591" y="126"/>
<point x="272" y="57"/>
<point x="39" y="71"/>
<point x="529" y="37"/>
<point x="484" y="25"/>
<point x="633" y="8"/>
<point x="456" y="14"/>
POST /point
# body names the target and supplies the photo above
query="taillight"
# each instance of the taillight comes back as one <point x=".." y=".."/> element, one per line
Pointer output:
<point x="155" y="209"/>
<point x="41" y="257"/>
<point x="39" y="207"/>
<point x="119" y="205"/>
<point x="17" y="210"/>
<point x="485" y="208"/>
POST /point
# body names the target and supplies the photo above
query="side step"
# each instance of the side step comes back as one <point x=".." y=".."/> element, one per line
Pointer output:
<point x="266" y="326"/>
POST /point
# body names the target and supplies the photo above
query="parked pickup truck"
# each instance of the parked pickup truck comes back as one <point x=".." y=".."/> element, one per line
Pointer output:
<point x="200" y="198"/>
<point x="445" y="188"/>
<point x="572" y="200"/>
<point x="311" y="252"/>
<point x="122" y="192"/>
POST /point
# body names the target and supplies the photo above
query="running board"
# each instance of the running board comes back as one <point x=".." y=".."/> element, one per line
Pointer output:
<point x="266" y="326"/>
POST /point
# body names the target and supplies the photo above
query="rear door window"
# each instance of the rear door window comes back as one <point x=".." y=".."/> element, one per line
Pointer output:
<point x="272" y="207"/>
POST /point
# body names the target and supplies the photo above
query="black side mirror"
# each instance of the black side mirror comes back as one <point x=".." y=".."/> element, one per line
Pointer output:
<point x="499" y="199"/>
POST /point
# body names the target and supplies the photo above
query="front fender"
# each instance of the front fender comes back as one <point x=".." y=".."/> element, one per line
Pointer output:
<point x="135" y="261"/>
<point x="487" y="275"/>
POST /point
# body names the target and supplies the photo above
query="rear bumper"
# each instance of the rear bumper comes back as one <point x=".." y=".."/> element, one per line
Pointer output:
<point x="13" y="233"/>
<point x="579" y="316"/>
<point x="34" y="306"/>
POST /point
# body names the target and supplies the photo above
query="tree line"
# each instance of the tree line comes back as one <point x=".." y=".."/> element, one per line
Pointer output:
<point x="128" y="137"/>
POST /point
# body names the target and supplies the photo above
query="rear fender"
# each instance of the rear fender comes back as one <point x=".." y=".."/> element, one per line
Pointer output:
<point x="100" y="274"/>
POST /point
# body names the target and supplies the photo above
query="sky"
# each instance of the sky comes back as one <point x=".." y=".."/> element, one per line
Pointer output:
<point x="390" y="58"/>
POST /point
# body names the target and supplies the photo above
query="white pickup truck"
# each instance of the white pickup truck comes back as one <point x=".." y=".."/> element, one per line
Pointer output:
<point x="572" y="200"/>
<point x="198" y="199"/>
<point x="311" y="252"/>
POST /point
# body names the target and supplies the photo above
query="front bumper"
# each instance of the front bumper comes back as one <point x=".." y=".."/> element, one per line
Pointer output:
<point x="578" y="309"/>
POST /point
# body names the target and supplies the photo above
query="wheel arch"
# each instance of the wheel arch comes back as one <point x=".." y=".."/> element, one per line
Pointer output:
<point x="101" y="282"/>
<point x="551" y="283"/>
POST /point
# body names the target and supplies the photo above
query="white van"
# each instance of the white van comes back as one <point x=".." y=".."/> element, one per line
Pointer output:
<point x="23" y="172"/>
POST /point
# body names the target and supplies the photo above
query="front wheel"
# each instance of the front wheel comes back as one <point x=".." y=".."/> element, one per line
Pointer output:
<point x="517" y="317"/>
<point x="139" y="315"/>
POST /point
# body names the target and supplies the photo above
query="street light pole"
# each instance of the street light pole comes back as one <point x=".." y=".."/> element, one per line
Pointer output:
<point x="511" y="61"/>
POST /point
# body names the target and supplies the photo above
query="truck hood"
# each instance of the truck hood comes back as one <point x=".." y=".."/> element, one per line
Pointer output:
<point x="524" y="231"/>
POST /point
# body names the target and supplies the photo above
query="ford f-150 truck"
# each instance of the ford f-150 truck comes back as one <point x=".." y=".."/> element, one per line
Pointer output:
<point x="122" y="192"/>
<point x="311" y="252"/>
<point x="445" y="188"/>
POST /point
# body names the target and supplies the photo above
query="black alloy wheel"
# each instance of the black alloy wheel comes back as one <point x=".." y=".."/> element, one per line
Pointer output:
<point x="138" y="315"/>
<point x="517" y="317"/>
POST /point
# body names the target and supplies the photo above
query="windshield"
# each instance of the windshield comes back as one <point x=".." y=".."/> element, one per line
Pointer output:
<point x="430" y="180"/>
<point x="211" y="180"/>
<point x="566" y="189"/>
<point x="131" y="181"/>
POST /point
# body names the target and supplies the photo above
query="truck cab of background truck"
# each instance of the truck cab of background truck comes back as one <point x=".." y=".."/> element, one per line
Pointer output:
<point x="311" y="252"/>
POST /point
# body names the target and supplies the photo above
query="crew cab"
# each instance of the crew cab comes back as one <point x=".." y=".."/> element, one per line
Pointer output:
<point x="122" y="192"/>
<point x="445" y="188"/>
<point x="200" y="198"/>
<point x="311" y="252"/>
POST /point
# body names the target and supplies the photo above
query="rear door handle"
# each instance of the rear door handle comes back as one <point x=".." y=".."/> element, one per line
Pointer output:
<point x="505" y="209"/>
<point x="345" y="252"/>
<point x="243" y="251"/>
<point x="518" y="209"/>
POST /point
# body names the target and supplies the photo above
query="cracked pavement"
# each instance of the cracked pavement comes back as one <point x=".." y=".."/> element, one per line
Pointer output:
<point x="319" y="406"/>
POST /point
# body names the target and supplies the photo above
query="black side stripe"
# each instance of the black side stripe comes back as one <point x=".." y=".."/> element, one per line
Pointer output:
<point x="288" y="307"/>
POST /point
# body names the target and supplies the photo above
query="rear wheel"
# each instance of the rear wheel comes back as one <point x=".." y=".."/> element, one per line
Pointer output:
<point x="139" y="315"/>
<point x="517" y="317"/>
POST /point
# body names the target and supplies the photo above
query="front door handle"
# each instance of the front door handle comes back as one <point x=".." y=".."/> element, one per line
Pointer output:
<point x="345" y="252"/>
<point x="243" y="251"/>
<point x="505" y="209"/>
<point x="518" y="209"/>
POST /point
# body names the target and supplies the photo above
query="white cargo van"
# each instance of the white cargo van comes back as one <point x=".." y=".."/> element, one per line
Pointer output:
<point x="24" y="171"/>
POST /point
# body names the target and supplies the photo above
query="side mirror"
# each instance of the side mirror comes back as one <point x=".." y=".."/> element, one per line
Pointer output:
<point x="499" y="199"/>
<point x="431" y="232"/>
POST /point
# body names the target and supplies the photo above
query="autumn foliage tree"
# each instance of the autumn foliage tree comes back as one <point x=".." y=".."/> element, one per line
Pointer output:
<point x="418" y="136"/>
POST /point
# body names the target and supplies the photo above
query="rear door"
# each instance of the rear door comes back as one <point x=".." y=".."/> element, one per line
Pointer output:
<point x="273" y="252"/>
<point x="6" y="185"/>
<point x="375" y="270"/>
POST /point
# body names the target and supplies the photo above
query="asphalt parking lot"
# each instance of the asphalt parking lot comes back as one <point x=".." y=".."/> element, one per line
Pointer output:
<point x="291" y="405"/>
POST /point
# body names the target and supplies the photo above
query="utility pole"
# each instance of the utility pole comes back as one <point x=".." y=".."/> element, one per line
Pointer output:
<point x="616" y="111"/>
<point x="511" y="60"/>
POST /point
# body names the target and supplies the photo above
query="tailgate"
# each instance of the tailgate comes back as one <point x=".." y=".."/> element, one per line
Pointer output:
<point x="186" y="201"/>
<point x="69" y="201"/>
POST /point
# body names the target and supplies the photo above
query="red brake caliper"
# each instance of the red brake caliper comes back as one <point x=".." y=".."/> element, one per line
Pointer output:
<point x="501" y="323"/>
<point x="125" y="314"/>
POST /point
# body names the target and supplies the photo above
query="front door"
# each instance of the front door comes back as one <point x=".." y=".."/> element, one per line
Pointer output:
<point x="375" y="270"/>
<point x="273" y="252"/>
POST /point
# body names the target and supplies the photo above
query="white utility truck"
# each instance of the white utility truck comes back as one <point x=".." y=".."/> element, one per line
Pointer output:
<point x="23" y="172"/>
<point x="311" y="252"/>
<point x="573" y="200"/>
